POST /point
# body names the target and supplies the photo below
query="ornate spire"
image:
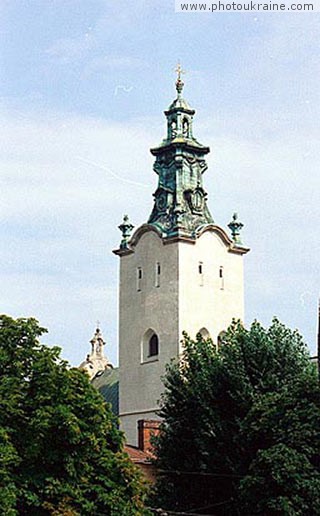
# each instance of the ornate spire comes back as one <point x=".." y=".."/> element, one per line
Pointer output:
<point x="235" y="227"/>
<point x="180" y="207"/>
<point x="97" y="344"/>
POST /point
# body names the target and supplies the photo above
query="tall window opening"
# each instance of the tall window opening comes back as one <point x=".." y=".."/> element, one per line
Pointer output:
<point x="221" y="278"/>
<point x="221" y="338"/>
<point x="157" y="274"/>
<point x="173" y="129"/>
<point x="153" y="346"/>
<point x="139" y="278"/>
<point x="185" y="128"/>
<point x="150" y="346"/>
<point x="200" y="271"/>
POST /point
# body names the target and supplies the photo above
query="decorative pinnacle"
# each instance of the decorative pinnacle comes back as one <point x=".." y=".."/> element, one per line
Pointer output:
<point x="179" y="81"/>
<point x="235" y="227"/>
<point x="97" y="343"/>
<point x="126" y="227"/>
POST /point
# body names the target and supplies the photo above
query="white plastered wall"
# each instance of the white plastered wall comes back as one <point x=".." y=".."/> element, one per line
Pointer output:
<point x="209" y="302"/>
<point x="184" y="301"/>
<point x="153" y="308"/>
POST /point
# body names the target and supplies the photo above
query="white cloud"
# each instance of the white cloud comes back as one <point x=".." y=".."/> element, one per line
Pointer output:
<point x="65" y="184"/>
<point x="68" y="50"/>
<point x="65" y="164"/>
<point x="107" y="62"/>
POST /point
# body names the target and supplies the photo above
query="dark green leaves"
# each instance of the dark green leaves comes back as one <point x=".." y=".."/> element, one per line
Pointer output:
<point x="233" y="419"/>
<point x="60" y="448"/>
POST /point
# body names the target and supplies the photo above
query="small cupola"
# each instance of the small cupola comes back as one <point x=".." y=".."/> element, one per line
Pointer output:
<point x="179" y="114"/>
<point x="96" y="361"/>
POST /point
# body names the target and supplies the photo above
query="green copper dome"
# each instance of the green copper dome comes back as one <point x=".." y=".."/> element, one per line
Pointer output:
<point x="180" y="103"/>
<point x="180" y="201"/>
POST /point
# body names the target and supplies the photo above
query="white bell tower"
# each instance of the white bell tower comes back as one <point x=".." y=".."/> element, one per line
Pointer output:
<point x="179" y="272"/>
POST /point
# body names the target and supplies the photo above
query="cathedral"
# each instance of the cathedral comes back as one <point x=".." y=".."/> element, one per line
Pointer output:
<point x="179" y="271"/>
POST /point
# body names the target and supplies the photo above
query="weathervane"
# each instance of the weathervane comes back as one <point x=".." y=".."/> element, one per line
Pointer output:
<point x="179" y="81"/>
<point x="179" y="71"/>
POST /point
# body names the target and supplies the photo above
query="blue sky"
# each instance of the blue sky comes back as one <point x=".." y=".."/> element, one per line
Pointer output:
<point x="83" y="89"/>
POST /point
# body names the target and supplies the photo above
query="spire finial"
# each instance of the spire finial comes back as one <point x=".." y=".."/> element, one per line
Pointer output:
<point x="179" y="81"/>
<point x="235" y="227"/>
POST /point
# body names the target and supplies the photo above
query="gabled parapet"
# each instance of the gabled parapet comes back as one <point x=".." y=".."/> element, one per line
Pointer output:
<point x="231" y="244"/>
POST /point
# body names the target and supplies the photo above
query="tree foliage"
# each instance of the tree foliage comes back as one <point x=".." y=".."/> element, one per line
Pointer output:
<point x="241" y="426"/>
<point x="61" y="452"/>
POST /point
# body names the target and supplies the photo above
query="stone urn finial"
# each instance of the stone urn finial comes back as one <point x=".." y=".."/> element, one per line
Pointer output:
<point x="235" y="227"/>
<point x="126" y="228"/>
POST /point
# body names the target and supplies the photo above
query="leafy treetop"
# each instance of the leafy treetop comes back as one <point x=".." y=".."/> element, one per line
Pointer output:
<point x="241" y="426"/>
<point x="61" y="452"/>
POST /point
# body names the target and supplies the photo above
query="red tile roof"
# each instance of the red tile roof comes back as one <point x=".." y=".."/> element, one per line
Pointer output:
<point x="137" y="455"/>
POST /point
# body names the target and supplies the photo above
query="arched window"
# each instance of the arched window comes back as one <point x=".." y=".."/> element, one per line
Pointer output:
<point x="220" y="338"/>
<point x="149" y="346"/>
<point x="185" y="127"/>
<point x="204" y="333"/>
<point x="153" y="346"/>
<point x="173" y="129"/>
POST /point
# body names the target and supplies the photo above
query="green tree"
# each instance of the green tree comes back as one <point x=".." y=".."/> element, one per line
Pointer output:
<point x="61" y="452"/>
<point x="241" y="426"/>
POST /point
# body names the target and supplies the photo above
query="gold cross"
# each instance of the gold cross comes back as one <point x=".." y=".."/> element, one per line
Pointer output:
<point x="179" y="71"/>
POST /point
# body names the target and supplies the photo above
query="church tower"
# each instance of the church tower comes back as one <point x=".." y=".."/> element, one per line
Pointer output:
<point x="178" y="272"/>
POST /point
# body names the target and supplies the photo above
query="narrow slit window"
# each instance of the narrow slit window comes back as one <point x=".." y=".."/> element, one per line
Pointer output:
<point x="200" y="270"/>
<point x="139" y="278"/>
<point x="221" y="278"/>
<point x="157" y="274"/>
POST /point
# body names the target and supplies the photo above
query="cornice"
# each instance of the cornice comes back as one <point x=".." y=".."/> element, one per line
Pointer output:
<point x="218" y="230"/>
<point x="182" y="237"/>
